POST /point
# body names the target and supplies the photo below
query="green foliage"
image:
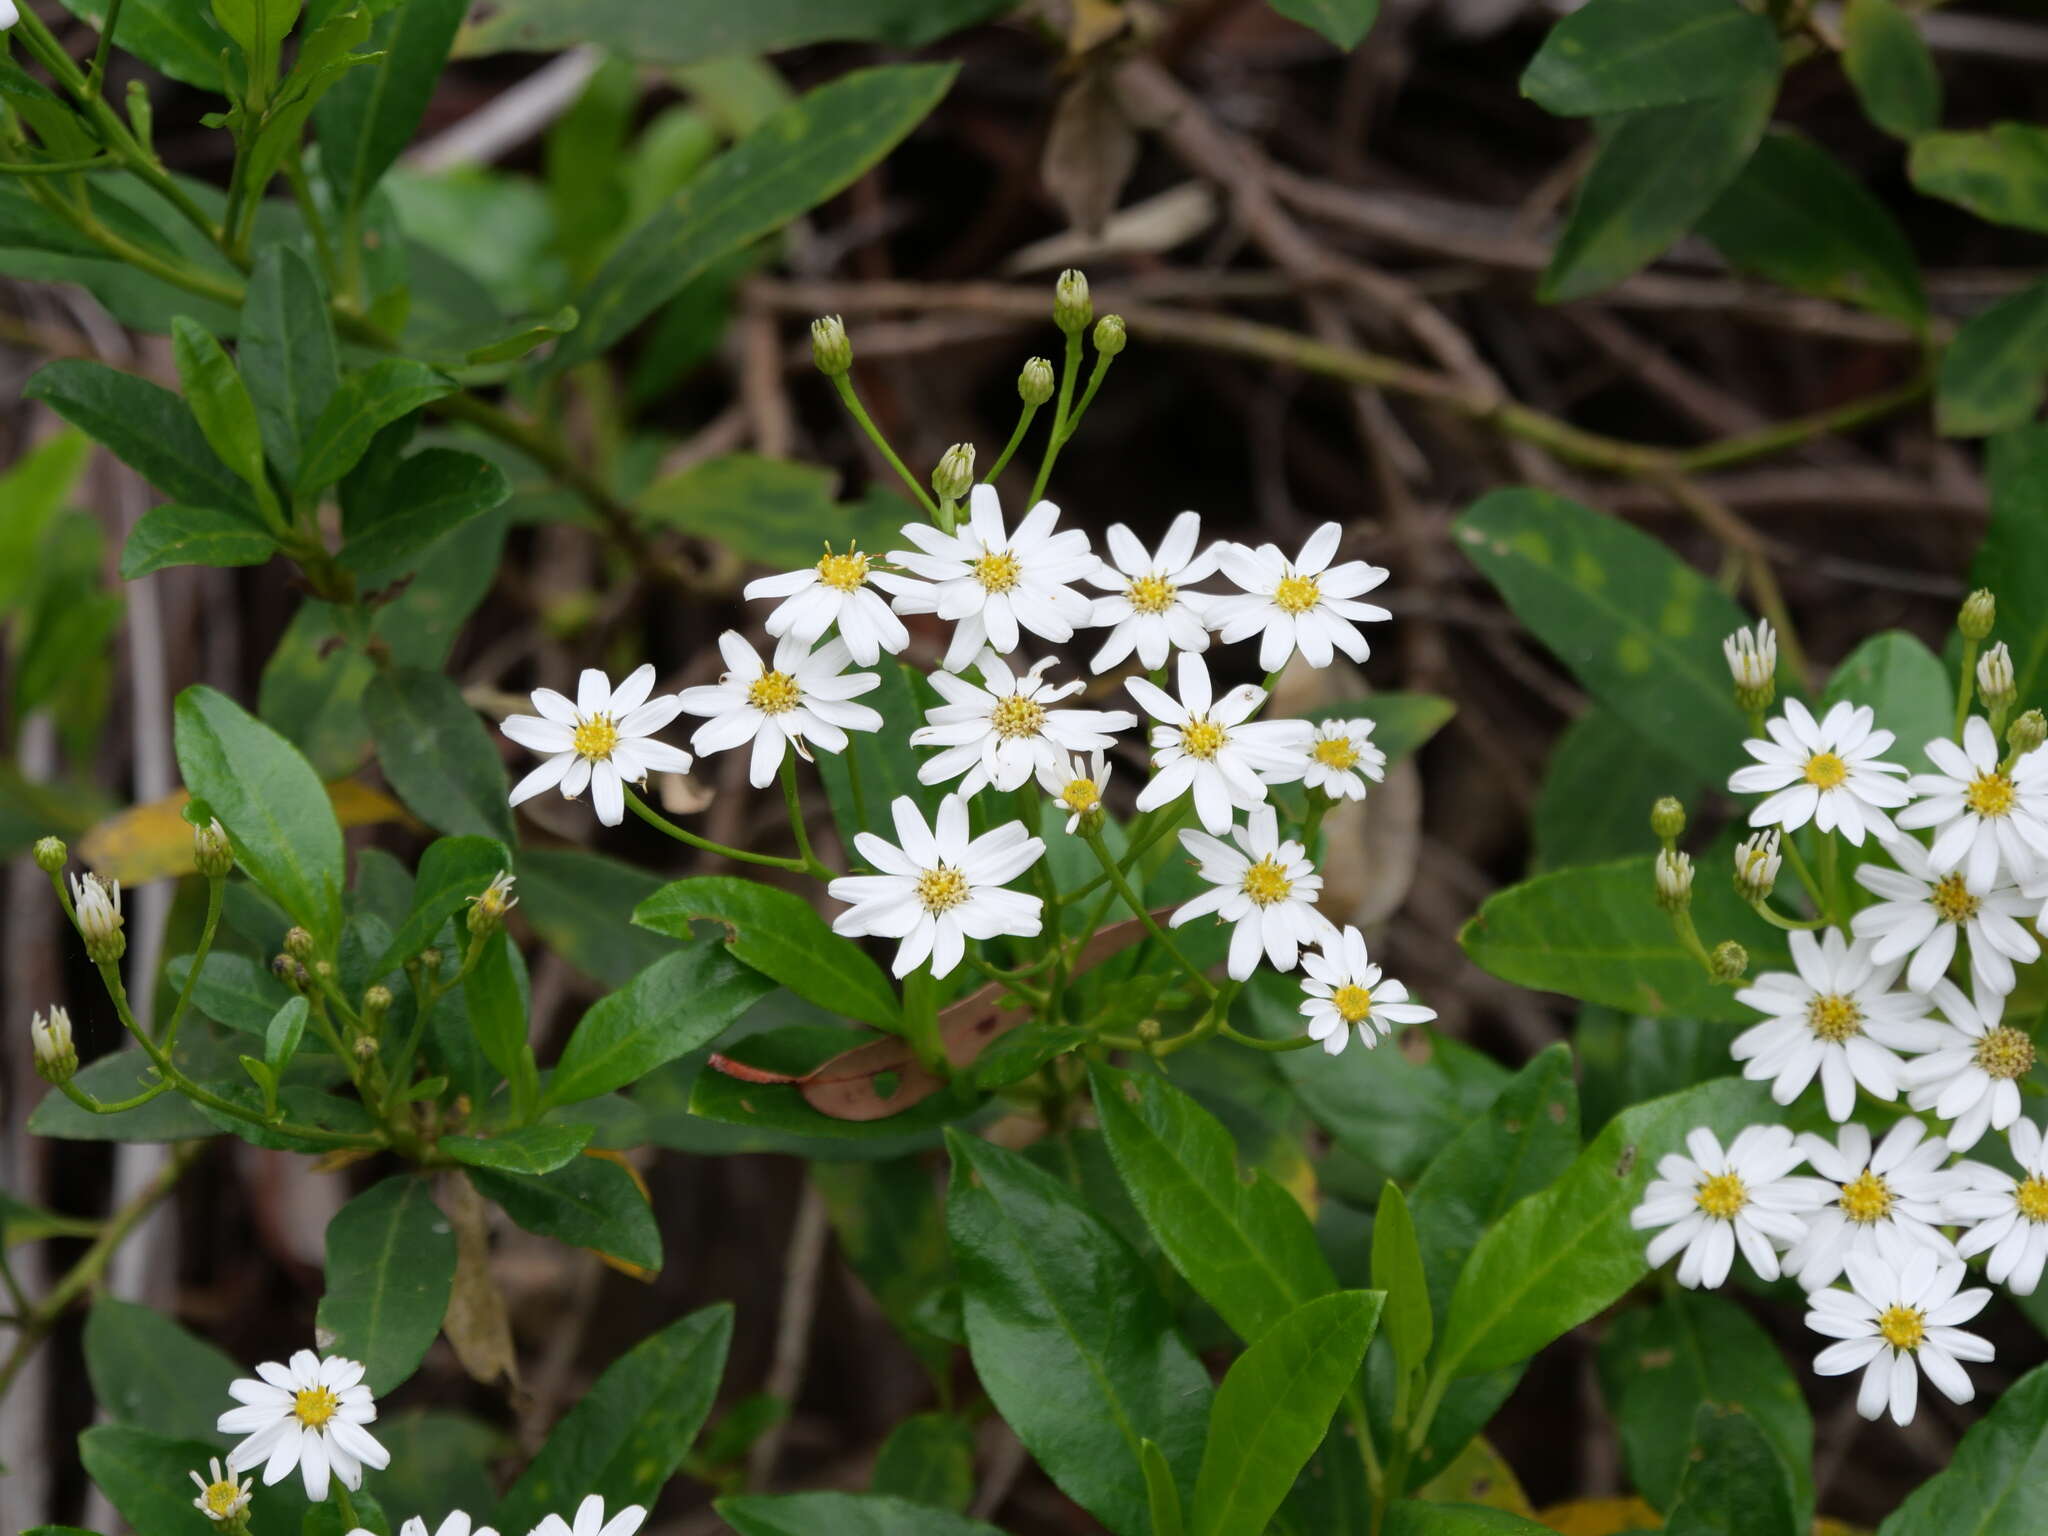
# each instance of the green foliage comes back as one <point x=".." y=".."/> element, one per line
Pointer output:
<point x="768" y="510"/>
<point x="1888" y="62"/>
<point x="431" y="494"/>
<point x="1601" y="780"/>
<point x="1621" y="55"/>
<point x="453" y="871"/>
<point x="684" y="1000"/>
<point x="437" y="754"/>
<point x="1997" y="1482"/>
<point x="1908" y="687"/>
<point x="928" y="1459"/>
<point x="1737" y="1485"/>
<point x="690" y="31"/>
<point x="372" y="112"/>
<point x="145" y="1476"/>
<point x="148" y="428"/>
<point x="589" y="1202"/>
<point x="363" y="405"/>
<point x="1995" y="372"/>
<point x="2013" y="559"/>
<point x="891" y="1227"/>
<point x="843" y="1514"/>
<point x="1999" y="174"/>
<point x="1343" y="22"/>
<point x="534" y="1149"/>
<point x="390" y="1263"/>
<point x="149" y="1373"/>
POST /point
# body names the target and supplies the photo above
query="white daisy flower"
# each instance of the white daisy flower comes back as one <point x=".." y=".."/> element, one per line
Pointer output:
<point x="1757" y="861"/>
<point x="1712" y="1202"/>
<point x="1338" y="757"/>
<point x="1970" y="1072"/>
<point x="1995" y="681"/>
<point x="602" y="740"/>
<point x="1345" y="991"/>
<point x="1920" y="913"/>
<point x="2008" y="1217"/>
<point x="1824" y="771"/>
<point x="457" y="1523"/>
<point x="1838" y="1017"/>
<point x="97" y="903"/>
<point x="1303" y="604"/>
<point x="1986" y="818"/>
<point x="1265" y="887"/>
<point x="221" y="1496"/>
<point x="1213" y="746"/>
<point x="1884" y="1203"/>
<point x="1752" y="657"/>
<point x="938" y="888"/>
<point x="1075" y="784"/>
<point x="992" y="583"/>
<point x="834" y="591"/>
<point x="1895" y="1323"/>
<point x="1151" y="609"/>
<point x="803" y="700"/>
<point x="307" y="1414"/>
<point x="1002" y="732"/>
<point x="590" y="1521"/>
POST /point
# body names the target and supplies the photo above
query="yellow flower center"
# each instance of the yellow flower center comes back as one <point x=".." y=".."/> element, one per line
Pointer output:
<point x="1015" y="715"/>
<point x="1266" y="882"/>
<point x="941" y="889"/>
<point x="1952" y="901"/>
<point x="1335" y="753"/>
<point x="315" y="1406"/>
<point x="844" y="572"/>
<point x="1834" y="1017"/>
<point x="2032" y="1197"/>
<point x="1353" y="1003"/>
<point x="1151" y="594"/>
<point x="1296" y="594"/>
<point x="998" y="572"/>
<point x="1722" y="1196"/>
<point x="222" y="1499"/>
<point x="1866" y="1198"/>
<point x="1990" y="794"/>
<point x="2005" y="1052"/>
<point x="1081" y="796"/>
<point x="595" y="738"/>
<point x="774" y="693"/>
<point x="1824" y="770"/>
<point x="1202" y="738"/>
<point x="1902" y="1327"/>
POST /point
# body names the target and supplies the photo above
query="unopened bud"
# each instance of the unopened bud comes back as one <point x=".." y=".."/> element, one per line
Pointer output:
<point x="1109" y="335"/>
<point x="365" y="1046"/>
<point x="430" y="961"/>
<point x="210" y="849"/>
<point x="1753" y="664"/>
<point x="488" y="907"/>
<point x="376" y="1003"/>
<point x="324" y="969"/>
<point x="1035" y="383"/>
<point x="288" y="970"/>
<point x="50" y="1038"/>
<point x="1674" y="880"/>
<point x="2026" y="733"/>
<point x="1995" y="682"/>
<point x="298" y="943"/>
<point x="1730" y="961"/>
<point x="830" y="348"/>
<point x="1979" y="612"/>
<point x="1072" y="308"/>
<point x="1667" y="819"/>
<point x="1757" y="861"/>
<point x="1149" y="1030"/>
<point x="51" y="854"/>
<point x="954" y="477"/>
<point x="97" y="904"/>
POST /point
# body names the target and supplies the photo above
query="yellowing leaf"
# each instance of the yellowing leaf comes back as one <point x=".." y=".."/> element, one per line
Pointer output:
<point x="1601" y="1517"/>
<point x="1478" y="1475"/>
<point x="154" y="841"/>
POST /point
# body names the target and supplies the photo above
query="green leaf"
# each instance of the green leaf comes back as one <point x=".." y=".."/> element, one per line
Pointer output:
<point x="928" y="1459"/>
<point x="1996" y="1483"/>
<point x="1161" y="1495"/>
<point x="1343" y="23"/>
<point x="371" y="113"/>
<point x="146" y="1477"/>
<point x="1599" y="785"/>
<point x="692" y="31"/>
<point x="1889" y="64"/>
<point x="220" y="402"/>
<point x="533" y="1149"/>
<point x="390" y="1266"/>
<point x="1736" y="1484"/>
<point x="276" y="811"/>
<point x="1656" y="172"/>
<point x="364" y="405"/>
<point x="1661" y="1365"/>
<point x="1619" y="55"/>
<point x="176" y="36"/>
<point x="440" y="1462"/>
<point x="281" y="1038"/>
<point x="1796" y="217"/>
<point x="591" y="1202"/>
<point x="582" y="904"/>
<point x="1637" y="626"/>
<point x="150" y="1373"/>
<point x="453" y="871"/>
<point x="1999" y="174"/>
<point x="1243" y="1243"/>
<point x="34" y="490"/>
<point x="2013" y="559"/>
<point x="1072" y="1341"/>
<point x="627" y="1435"/>
<point x="1906" y="685"/>
<point x="781" y="935"/>
<point x="887" y="763"/>
<point x="1413" y="1517"/>
<point x="1397" y="1274"/>
<point x="121" y="1075"/>
<point x="1561" y="1256"/>
<point x="432" y="493"/>
<point x="769" y="511"/>
<point x="147" y="427"/>
<point x="437" y="754"/>
<point x="798" y="157"/>
<point x="174" y="534"/>
<point x="842" y="1514"/>
<point x="258" y="28"/>
<point x="495" y="991"/>
<point x="891" y="1229"/>
<point x="686" y="999"/>
<point x="1273" y="1408"/>
<point x="1995" y="371"/>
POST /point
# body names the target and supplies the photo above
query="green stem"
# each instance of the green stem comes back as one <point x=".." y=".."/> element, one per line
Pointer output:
<point x="1776" y="919"/>
<point x="1318" y="807"/>
<point x="1008" y="979"/>
<point x="844" y="384"/>
<point x="851" y="757"/>
<point x="1163" y="822"/>
<point x="661" y="823"/>
<point x="1138" y="910"/>
<point x="1966" y="685"/>
<point x="1800" y="868"/>
<point x="96" y="78"/>
<point x="216" y="891"/>
<point x="59" y="167"/>
<point x="1831" y="876"/>
<point x="1017" y="437"/>
<point x="812" y="865"/>
<point x="1054" y="440"/>
<point x="91" y="1105"/>
<point x="1291" y="1043"/>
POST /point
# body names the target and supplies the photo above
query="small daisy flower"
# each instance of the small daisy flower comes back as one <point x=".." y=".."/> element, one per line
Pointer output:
<point x="51" y="1046"/>
<point x="1346" y="992"/>
<point x="1265" y="887"/>
<point x="1970" y="1072"/>
<point x="1921" y="913"/>
<point x="1837" y="1018"/>
<point x="803" y="700"/>
<point x="457" y="1523"/>
<point x="1337" y="759"/>
<point x="221" y="1497"/>
<point x="604" y="740"/>
<point x="839" y="589"/>
<point x="1151" y="609"/>
<point x="2008" y="1217"/>
<point x="1003" y="731"/>
<point x="1213" y="746"/>
<point x="992" y="583"/>
<point x="1712" y="1202"/>
<point x="307" y="1414"/>
<point x="1985" y="818"/>
<point x="1884" y="1203"/>
<point x="1752" y="658"/>
<point x="1303" y="604"/>
<point x="1075" y="784"/>
<point x="938" y="888"/>
<point x="1757" y="861"/>
<point x="1825" y="771"/>
<point x="590" y="1521"/>
<point x="97" y="904"/>
<point x="1893" y="1324"/>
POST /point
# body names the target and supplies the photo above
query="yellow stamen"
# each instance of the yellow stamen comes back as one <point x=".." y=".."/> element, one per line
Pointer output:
<point x="1015" y="715"/>
<point x="1266" y="882"/>
<point x="1335" y="753"/>
<point x="998" y="572"/>
<point x="2005" y="1052"/>
<point x="1202" y="738"/>
<point x="1866" y="1198"/>
<point x="1952" y="901"/>
<point x="2032" y="1197"/>
<point x="1834" y="1018"/>
<point x="222" y="1499"/>
<point x="1902" y="1327"/>
<point x="1353" y="1003"/>
<point x="1296" y="594"/>
<point x="941" y="889"/>
<point x="595" y="738"/>
<point x="1081" y="796"/>
<point x="844" y="572"/>
<point x="1824" y="770"/>
<point x="314" y="1406"/>
<point x="774" y="693"/>
<point x="1990" y="794"/>
<point x="1151" y="594"/>
<point x="1722" y="1196"/>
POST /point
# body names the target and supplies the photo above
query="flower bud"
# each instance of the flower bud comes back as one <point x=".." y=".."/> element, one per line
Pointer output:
<point x="50" y="1037"/>
<point x="488" y="907"/>
<point x="210" y="849"/>
<point x="97" y="904"/>
<point x="364" y="1046"/>
<point x="954" y="477"/>
<point x="1674" y="880"/>
<point x="1757" y="861"/>
<point x="1753" y="664"/>
<point x="1979" y="613"/>
<point x="1109" y="335"/>
<point x="2026" y="733"/>
<point x="1730" y="961"/>
<point x="1667" y="819"/>
<point x="1072" y="308"/>
<point x="430" y="961"/>
<point x="51" y="854"/>
<point x="830" y="348"/>
<point x="1995" y="682"/>
<point x="376" y="1003"/>
<point x="298" y="943"/>
<point x="1035" y="383"/>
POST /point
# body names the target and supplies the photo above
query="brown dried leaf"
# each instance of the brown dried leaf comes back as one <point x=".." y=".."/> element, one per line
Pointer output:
<point x="476" y="1323"/>
<point x="1090" y="152"/>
